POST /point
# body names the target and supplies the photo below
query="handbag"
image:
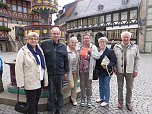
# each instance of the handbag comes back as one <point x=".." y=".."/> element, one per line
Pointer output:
<point x="96" y="74"/>
<point x="105" y="63"/>
<point x="21" y="107"/>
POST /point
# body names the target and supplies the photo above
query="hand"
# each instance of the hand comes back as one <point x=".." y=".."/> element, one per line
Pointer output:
<point x="104" y="66"/>
<point x="89" y="51"/>
<point x="135" y="74"/>
<point x="65" y="76"/>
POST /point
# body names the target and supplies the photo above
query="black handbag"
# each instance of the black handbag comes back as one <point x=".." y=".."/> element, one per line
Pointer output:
<point x="21" y="107"/>
<point x="96" y="74"/>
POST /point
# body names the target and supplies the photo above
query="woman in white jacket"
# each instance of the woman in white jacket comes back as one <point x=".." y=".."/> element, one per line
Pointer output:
<point x="73" y="58"/>
<point x="31" y="72"/>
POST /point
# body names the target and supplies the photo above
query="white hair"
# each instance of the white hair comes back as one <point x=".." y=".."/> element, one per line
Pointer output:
<point x="73" y="39"/>
<point x="126" y="33"/>
<point x="103" y="39"/>
<point x="32" y="34"/>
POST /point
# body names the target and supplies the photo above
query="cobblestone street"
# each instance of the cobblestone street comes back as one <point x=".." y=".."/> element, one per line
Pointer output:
<point x="142" y="93"/>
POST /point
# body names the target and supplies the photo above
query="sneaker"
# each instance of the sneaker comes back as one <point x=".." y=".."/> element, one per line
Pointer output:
<point x="82" y="104"/>
<point x="89" y="105"/>
<point x="75" y="103"/>
<point x="103" y="104"/>
<point x="99" y="100"/>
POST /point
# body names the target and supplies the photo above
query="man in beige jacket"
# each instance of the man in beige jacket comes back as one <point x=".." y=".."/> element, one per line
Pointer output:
<point x="127" y="67"/>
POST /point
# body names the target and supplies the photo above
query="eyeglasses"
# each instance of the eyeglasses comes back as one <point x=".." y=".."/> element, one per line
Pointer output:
<point x="33" y="38"/>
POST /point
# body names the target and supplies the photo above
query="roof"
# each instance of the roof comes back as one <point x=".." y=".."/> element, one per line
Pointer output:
<point x="86" y="8"/>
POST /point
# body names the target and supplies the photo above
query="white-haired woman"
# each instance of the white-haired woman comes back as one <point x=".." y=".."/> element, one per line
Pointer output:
<point x="73" y="58"/>
<point x="31" y="72"/>
<point x="105" y="70"/>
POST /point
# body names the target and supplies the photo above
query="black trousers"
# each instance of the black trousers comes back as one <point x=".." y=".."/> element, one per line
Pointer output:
<point x="55" y="100"/>
<point x="33" y="97"/>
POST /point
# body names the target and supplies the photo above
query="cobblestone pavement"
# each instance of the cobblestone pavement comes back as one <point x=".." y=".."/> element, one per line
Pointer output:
<point x="142" y="94"/>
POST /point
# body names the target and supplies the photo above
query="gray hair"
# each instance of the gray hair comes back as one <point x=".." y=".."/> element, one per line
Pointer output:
<point x="103" y="39"/>
<point x="32" y="34"/>
<point x="73" y="39"/>
<point x="126" y="33"/>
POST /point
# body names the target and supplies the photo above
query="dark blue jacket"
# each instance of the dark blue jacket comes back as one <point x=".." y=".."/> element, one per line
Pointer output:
<point x="56" y="58"/>
<point x="112" y="57"/>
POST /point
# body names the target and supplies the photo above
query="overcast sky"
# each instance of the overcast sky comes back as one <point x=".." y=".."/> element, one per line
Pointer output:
<point x="61" y="4"/>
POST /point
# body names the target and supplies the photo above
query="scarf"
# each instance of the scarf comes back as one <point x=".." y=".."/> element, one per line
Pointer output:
<point x="35" y="53"/>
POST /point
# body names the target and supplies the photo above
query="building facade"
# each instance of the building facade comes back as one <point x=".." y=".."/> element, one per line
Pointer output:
<point x="108" y="18"/>
<point x="19" y="17"/>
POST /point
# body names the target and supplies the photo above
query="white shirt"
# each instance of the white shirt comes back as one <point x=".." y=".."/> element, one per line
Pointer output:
<point x="40" y="69"/>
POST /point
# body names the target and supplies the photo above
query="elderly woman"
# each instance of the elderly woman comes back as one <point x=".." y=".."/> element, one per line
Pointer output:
<point x="86" y="66"/>
<point x="105" y="64"/>
<point x="31" y="72"/>
<point x="73" y="67"/>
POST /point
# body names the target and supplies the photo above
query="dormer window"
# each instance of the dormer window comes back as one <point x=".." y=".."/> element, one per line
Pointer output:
<point x="125" y="1"/>
<point x="100" y="7"/>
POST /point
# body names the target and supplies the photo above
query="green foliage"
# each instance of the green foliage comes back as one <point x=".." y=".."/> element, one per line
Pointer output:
<point x="3" y="28"/>
<point x="4" y="5"/>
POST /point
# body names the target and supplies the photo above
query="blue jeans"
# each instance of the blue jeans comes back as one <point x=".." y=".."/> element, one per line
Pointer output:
<point x="104" y="88"/>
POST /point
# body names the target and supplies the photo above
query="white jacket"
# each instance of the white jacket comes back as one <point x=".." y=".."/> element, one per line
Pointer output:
<point x="27" y="71"/>
<point x="132" y="64"/>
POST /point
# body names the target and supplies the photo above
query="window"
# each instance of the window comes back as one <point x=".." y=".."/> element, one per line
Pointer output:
<point x="79" y="23"/>
<point x="85" y="22"/>
<point x="14" y="7"/>
<point x="110" y="34"/>
<point x="101" y="19"/>
<point x="125" y="1"/>
<point x="72" y="24"/>
<point x="68" y="25"/>
<point x="108" y="18"/>
<point x="133" y="31"/>
<point x="19" y="9"/>
<point x="1" y="23"/>
<point x="95" y="20"/>
<point x="75" y="24"/>
<point x="123" y="15"/>
<point x="133" y="14"/>
<point x="116" y="17"/>
<point x="89" y="21"/>
<point x="24" y="10"/>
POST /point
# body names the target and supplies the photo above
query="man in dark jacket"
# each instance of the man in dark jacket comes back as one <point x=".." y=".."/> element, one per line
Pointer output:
<point x="57" y="65"/>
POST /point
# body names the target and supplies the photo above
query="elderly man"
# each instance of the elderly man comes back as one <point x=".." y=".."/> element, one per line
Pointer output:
<point x="127" y="55"/>
<point x="57" y="65"/>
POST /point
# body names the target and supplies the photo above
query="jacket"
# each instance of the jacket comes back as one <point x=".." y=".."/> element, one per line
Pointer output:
<point x="70" y="77"/>
<point x="56" y="58"/>
<point x="112" y="57"/>
<point x="132" y="56"/>
<point x="27" y="70"/>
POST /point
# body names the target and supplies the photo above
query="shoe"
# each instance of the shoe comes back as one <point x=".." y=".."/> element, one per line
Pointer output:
<point x="89" y="105"/>
<point x="99" y="100"/>
<point x="120" y="105"/>
<point x="82" y="104"/>
<point x="75" y="103"/>
<point x="103" y="104"/>
<point x="129" y="107"/>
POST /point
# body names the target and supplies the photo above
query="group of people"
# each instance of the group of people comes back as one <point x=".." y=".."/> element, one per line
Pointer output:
<point x="52" y="62"/>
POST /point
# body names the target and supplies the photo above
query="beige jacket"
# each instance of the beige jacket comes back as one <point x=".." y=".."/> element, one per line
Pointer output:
<point x="27" y="71"/>
<point x="132" y="58"/>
